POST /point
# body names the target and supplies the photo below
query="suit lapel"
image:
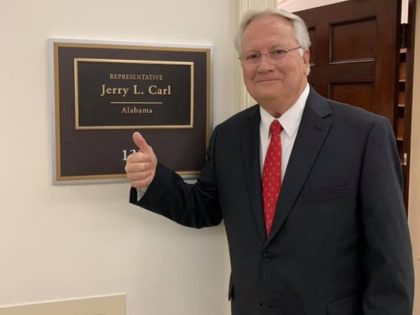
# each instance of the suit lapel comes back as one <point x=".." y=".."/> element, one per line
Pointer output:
<point x="250" y="149"/>
<point x="311" y="135"/>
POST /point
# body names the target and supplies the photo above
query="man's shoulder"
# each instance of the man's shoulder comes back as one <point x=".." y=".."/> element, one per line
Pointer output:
<point x="351" y="112"/>
<point x="346" y="117"/>
<point x="241" y="117"/>
<point x="339" y="110"/>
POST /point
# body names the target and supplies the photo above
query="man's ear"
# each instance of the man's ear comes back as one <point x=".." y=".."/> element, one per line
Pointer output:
<point x="306" y="60"/>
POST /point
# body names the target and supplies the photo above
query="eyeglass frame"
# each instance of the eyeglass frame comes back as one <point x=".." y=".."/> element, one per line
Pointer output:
<point x="256" y="62"/>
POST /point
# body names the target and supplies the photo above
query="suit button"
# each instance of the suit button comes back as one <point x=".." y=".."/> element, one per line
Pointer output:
<point x="267" y="257"/>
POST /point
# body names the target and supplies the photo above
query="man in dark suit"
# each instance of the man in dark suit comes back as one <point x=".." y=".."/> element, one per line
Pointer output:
<point x="309" y="190"/>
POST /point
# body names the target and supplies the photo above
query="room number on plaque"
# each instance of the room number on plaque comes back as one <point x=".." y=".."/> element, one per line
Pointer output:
<point x="126" y="153"/>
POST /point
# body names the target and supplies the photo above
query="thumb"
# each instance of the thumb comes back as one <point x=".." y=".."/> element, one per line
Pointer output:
<point x="141" y="143"/>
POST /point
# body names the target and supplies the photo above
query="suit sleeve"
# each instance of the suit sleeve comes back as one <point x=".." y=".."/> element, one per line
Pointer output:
<point x="388" y="264"/>
<point x="194" y="205"/>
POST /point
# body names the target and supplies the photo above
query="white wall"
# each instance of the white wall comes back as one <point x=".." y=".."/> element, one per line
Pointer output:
<point x="80" y="240"/>
<point x="298" y="5"/>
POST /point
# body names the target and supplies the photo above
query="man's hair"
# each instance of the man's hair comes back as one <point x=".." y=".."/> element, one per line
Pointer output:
<point x="300" y="31"/>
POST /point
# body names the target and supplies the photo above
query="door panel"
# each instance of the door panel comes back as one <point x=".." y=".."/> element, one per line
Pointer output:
<point x="360" y="93"/>
<point x="361" y="37"/>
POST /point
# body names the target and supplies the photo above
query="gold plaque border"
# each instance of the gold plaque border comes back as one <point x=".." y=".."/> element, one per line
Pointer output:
<point x="186" y="174"/>
<point x="58" y="43"/>
<point x="154" y="62"/>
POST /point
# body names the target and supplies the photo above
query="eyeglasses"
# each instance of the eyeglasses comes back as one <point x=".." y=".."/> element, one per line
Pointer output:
<point x="274" y="56"/>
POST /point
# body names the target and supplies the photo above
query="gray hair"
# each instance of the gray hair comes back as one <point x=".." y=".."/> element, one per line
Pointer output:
<point x="299" y="27"/>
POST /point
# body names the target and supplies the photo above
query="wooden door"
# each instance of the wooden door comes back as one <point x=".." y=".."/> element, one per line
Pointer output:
<point x="355" y="57"/>
<point x="354" y="52"/>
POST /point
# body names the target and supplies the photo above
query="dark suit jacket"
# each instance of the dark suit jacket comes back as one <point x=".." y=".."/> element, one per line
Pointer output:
<point x="339" y="244"/>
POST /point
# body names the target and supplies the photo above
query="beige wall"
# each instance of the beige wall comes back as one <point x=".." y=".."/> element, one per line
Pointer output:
<point x="59" y="242"/>
<point x="298" y="5"/>
<point x="414" y="202"/>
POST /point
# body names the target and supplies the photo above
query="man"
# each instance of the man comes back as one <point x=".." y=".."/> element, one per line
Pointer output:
<point x="309" y="190"/>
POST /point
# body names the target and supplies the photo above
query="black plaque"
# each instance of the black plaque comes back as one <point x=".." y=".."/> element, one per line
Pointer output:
<point x="103" y="93"/>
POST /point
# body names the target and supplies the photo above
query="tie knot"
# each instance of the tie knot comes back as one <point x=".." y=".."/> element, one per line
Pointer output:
<point x="275" y="127"/>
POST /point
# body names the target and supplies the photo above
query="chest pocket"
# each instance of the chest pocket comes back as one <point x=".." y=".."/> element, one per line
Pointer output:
<point x="326" y="194"/>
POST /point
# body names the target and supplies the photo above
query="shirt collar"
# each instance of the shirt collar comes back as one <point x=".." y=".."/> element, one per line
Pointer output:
<point x="289" y="120"/>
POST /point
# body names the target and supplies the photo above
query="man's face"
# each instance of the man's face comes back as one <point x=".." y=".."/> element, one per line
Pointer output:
<point x="273" y="82"/>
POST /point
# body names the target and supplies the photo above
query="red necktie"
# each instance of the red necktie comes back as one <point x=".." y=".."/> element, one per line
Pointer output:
<point x="271" y="175"/>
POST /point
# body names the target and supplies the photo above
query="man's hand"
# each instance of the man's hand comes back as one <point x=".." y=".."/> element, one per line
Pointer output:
<point x="141" y="166"/>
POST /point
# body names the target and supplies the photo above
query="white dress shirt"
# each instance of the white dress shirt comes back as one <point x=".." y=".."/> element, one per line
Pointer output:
<point x="290" y="122"/>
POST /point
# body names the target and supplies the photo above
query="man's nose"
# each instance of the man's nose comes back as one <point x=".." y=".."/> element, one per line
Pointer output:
<point x="265" y="63"/>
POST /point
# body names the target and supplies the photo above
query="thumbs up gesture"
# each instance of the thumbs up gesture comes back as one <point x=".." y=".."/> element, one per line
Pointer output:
<point x="141" y="166"/>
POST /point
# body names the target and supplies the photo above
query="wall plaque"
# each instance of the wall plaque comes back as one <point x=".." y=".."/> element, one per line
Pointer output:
<point x="105" y="92"/>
